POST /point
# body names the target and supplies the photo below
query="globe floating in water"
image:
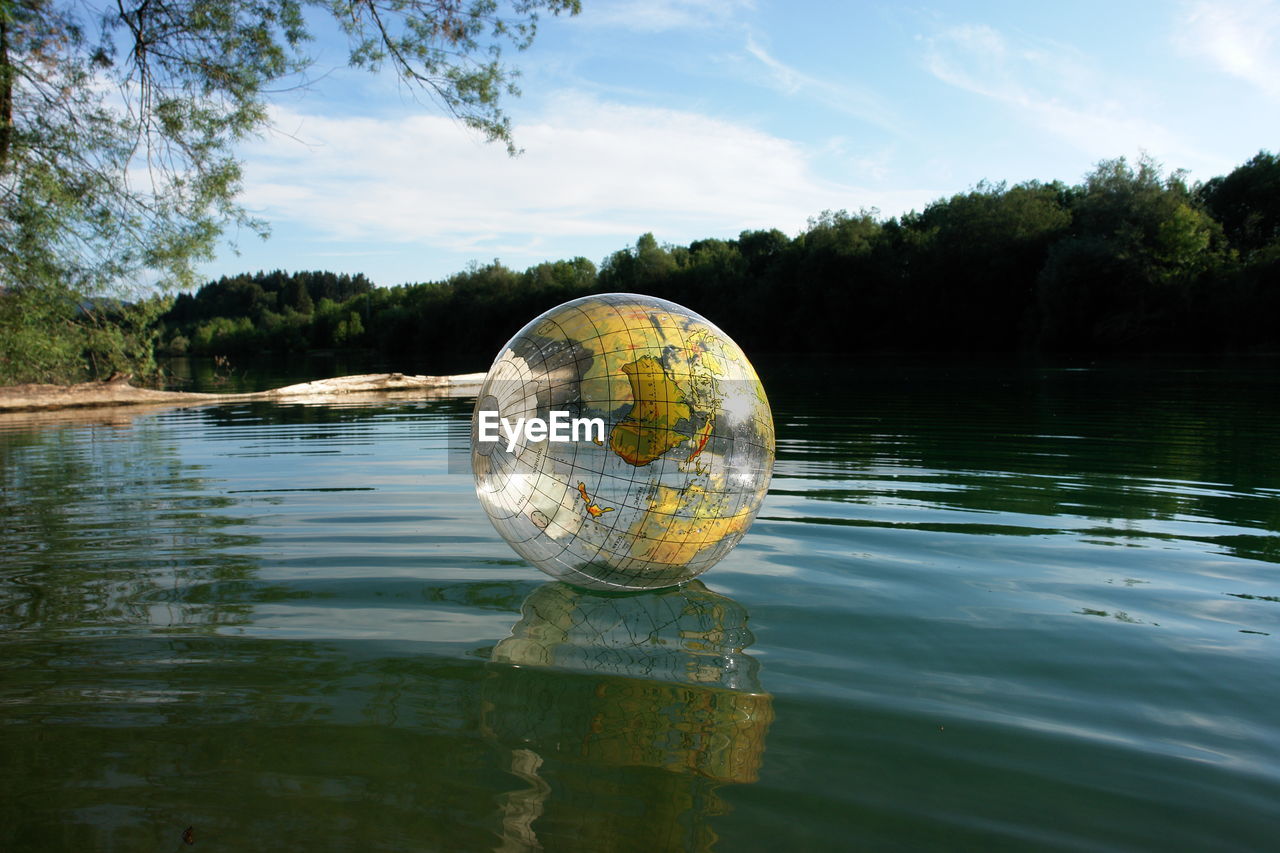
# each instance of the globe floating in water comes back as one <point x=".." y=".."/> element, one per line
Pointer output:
<point x="622" y="442"/>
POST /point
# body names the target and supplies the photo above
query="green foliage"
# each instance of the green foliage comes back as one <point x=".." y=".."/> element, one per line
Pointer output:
<point x="49" y="337"/>
<point x="1125" y="277"/>
<point x="118" y="128"/>
<point x="641" y="267"/>
<point x="452" y="50"/>
<point x="1129" y="259"/>
<point x="1247" y="203"/>
<point x="967" y="265"/>
<point x="35" y="345"/>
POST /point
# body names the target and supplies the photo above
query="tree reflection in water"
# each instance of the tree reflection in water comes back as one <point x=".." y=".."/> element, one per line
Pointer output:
<point x="185" y="645"/>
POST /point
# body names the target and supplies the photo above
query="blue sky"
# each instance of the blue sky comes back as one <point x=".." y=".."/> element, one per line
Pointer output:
<point x="702" y="119"/>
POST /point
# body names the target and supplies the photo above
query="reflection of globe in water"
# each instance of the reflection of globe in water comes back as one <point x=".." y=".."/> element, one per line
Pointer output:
<point x="609" y="678"/>
<point x="673" y="476"/>
<point x="621" y="718"/>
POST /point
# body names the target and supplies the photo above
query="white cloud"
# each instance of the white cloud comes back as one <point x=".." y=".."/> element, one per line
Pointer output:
<point x="590" y="169"/>
<point x="851" y="100"/>
<point x="1059" y="90"/>
<point x="1240" y="38"/>
<point x="655" y="16"/>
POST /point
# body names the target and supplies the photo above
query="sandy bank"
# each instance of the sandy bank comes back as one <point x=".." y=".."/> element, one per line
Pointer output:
<point x="366" y="386"/>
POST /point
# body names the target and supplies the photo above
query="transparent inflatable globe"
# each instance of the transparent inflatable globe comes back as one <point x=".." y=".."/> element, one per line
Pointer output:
<point x="634" y="443"/>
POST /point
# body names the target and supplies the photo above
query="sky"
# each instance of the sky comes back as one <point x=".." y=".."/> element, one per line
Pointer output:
<point x="703" y="118"/>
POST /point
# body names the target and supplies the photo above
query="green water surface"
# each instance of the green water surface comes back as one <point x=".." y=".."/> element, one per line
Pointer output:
<point x="983" y="608"/>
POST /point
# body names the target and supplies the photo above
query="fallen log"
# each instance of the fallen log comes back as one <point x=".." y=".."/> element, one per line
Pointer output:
<point x="118" y="392"/>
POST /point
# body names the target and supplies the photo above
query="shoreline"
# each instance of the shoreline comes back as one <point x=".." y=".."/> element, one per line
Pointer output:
<point x="363" y="386"/>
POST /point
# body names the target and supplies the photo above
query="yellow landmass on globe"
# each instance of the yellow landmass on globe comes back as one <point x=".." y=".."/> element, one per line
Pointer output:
<point x="619" y="335"/>
<point x="672" y="389"/>
<point x="679" y="523"/>
<point x="592" y="507"/>
<point x="702" y="346"/>
<point x="649" y="429"/>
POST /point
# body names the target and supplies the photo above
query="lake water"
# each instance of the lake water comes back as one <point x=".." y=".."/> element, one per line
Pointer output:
<point x="983" y="608"/>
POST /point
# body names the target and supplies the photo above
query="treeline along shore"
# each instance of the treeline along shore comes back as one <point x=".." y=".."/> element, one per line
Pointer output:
<point x="1127" y="260"/>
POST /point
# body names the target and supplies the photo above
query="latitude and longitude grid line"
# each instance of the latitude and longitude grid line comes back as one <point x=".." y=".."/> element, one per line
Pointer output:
<point x="612" y="530"/>
<point x="518" y="385"/>
<point x="610" y="534"/>
<point x="574" y="464"/>
<point x="645" y="350"/>
<point x="666" y="462"/>
<point x="739" y="501"/>
<point x="737" y="504"/>
<point x="559" y="348"/>
<point x="499" y="464"/>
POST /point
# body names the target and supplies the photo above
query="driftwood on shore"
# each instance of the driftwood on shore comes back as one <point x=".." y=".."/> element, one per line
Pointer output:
<point x="365" y="386"/>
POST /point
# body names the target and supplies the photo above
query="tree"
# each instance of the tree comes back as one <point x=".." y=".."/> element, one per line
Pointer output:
<point x="977" y="264"/>
<point x="1247" y="202"/>
<point x="1125" y="276"/>
<point x="640" y="268"/>
<point x="295" y="296"/>
<point x="1246" y="302"/>
<point x="118" y="128"/>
